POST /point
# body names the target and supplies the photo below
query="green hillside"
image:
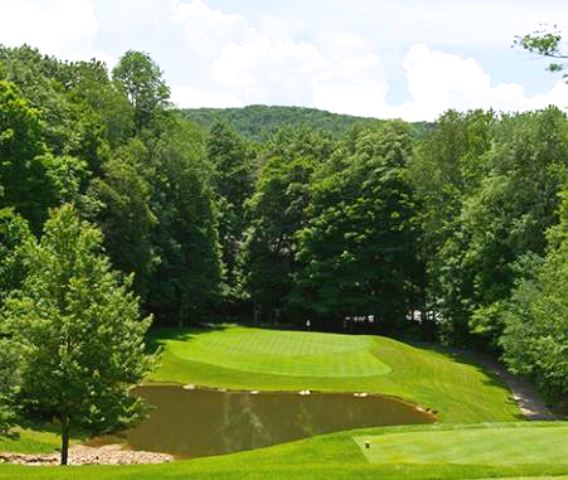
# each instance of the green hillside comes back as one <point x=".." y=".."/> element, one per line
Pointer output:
<point x="256" y="120"/>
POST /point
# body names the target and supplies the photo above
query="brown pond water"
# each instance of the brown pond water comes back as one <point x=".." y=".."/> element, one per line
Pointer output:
<point x="194" y="423"/>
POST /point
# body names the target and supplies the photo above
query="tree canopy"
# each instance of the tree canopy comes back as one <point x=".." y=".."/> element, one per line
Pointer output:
<point x="79" y="330"/>
<point x="448" y="231"/>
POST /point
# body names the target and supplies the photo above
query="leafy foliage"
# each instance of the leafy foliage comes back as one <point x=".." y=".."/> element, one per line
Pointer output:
<point x="281" y="214"/>
<point x="546" y="43"/>
<point x="258" y="122"/>
<point x="79" y="330"/>
<point x="357" y="249"/>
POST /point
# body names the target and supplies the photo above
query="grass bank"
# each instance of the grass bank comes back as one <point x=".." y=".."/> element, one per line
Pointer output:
<point x="256" y="359"/>
<point x="340" y="456"/>
<point x="479" y="436"/>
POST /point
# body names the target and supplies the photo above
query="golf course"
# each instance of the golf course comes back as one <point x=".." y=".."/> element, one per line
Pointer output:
<point x="480" y="432"/>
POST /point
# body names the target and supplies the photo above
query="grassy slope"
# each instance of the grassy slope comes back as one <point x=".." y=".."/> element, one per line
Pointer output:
<point x="241" y="358"/>
<point x="338" y="456"/>
<point x="244" y="358"/>
<point x="30" y="441"/>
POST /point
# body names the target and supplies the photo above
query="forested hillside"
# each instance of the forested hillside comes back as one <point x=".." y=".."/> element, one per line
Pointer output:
<point x="289" y="215"/>
<point x="258" y="121"/>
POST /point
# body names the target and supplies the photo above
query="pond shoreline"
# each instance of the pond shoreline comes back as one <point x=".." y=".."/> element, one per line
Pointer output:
<point x="115" y="451"/>
<point x="305" y="392"/>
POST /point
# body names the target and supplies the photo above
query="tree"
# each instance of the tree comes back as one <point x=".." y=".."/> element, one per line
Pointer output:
<point x="231" y="159"/>
<point x="24" y="164"/>
<point x="140" y="78"/>
<point x="535" y="338"/>
<point x="276" y="212"/>
<point x="508" y="214"/>
<point x="9" y="381"/>
<point x="186" y="283"/>
<point x="14" y="233"/>
<point x="357" y="251"/>
<point x="545" y="43"/>
<point x="125" y="215"/>
<point x="78" y="327"/>
<point x="449" y="164"/>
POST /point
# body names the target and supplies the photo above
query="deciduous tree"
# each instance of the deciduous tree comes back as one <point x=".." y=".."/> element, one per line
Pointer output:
<point x="78" y="328"/>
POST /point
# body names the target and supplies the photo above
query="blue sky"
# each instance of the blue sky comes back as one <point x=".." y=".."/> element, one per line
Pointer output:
<point x="408" y="58"/>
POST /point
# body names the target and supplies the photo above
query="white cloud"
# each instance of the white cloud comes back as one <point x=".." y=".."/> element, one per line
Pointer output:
<point x="264" y="64"/>
<point x="65" y="28"/>
<point x="325" y="55"/>
<point x="438" y="81"/>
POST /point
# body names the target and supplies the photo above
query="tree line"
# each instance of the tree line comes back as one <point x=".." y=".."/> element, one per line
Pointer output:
<point x="458" y="234"/>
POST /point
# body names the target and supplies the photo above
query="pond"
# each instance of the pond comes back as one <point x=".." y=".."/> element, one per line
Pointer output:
<point x="200" y="422"/>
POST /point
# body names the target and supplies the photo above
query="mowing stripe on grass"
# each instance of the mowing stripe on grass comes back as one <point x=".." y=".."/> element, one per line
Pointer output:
<point x="498" y="446"/>
<point x="255" y="359"/>
<point x="283" y="353"/>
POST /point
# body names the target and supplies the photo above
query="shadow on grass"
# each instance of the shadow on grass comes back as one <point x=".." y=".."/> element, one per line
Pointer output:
<point x="47" y="426"/>
<point x="158" y="336"/>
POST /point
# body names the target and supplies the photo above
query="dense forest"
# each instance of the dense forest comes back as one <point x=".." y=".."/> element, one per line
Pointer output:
<point x="257" y="122"/>
<point x="455" y="232"/>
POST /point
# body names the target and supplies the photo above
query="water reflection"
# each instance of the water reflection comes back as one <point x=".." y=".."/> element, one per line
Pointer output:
<point x="208" y="422"/>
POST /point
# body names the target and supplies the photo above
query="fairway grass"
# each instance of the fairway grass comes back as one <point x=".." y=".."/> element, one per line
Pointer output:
<point x="279" y="353"/>
<point x="479" y="435"/>
<point x="30" y="441"/>
<point x="255" y="359"/>
<point x="338" y="456"/>
<point x="505" y="445"/>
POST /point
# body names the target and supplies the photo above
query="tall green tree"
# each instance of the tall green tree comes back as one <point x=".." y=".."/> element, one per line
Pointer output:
<point x="357" y="251"/>
<point x="78" y="327"/>
<point x="276" y="212"/>
<point x="535" y="338"/>
<point x="14" y="233"/>
<point x="125" y="214"/>
<point x="187" y="280"/>
<point x="140" y="78"/>
<point x="448" y="166"/>
<point x="508" y="215"/>
<point x="231" y="159"/>
<point x="24" y="161"/>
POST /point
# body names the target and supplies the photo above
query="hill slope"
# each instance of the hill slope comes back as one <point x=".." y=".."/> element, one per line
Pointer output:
<point x="255" y="120"/>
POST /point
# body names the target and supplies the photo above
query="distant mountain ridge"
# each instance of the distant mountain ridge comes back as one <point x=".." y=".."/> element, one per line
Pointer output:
<point x="255" y="121"/>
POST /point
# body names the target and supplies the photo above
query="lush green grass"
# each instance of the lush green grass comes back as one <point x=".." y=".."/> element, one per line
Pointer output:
<point x="30" y="441"/>
<point x="466" y="444"/>
<point x="507" y="445"/>
<point x="280" y="353"/>
<point x="338" y="456"/>
<point x="247" y="358"/>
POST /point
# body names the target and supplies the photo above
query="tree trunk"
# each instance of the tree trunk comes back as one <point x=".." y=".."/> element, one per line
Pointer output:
<point x="180" y="314"/>
<point x="64" y="440"/>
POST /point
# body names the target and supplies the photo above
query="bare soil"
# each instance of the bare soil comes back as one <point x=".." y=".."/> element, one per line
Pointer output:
<point x="114" y="454"/>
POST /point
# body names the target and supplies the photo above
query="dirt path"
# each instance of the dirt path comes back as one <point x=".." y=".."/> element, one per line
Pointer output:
<point x="82" y="455"/>
<point x="525" y="395"/>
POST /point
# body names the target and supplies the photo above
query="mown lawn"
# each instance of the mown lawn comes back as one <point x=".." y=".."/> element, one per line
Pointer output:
<point x="248" y="358"/>
<point x="479" y="434"/>
<point x="30" y="441"/>
<point x="339" y="456"/>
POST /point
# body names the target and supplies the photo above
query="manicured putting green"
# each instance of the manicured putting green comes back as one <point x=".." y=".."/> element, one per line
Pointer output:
<point x="479" y="446"/>
<point x="283" y="353"/>
<point x="242" y="358"/>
